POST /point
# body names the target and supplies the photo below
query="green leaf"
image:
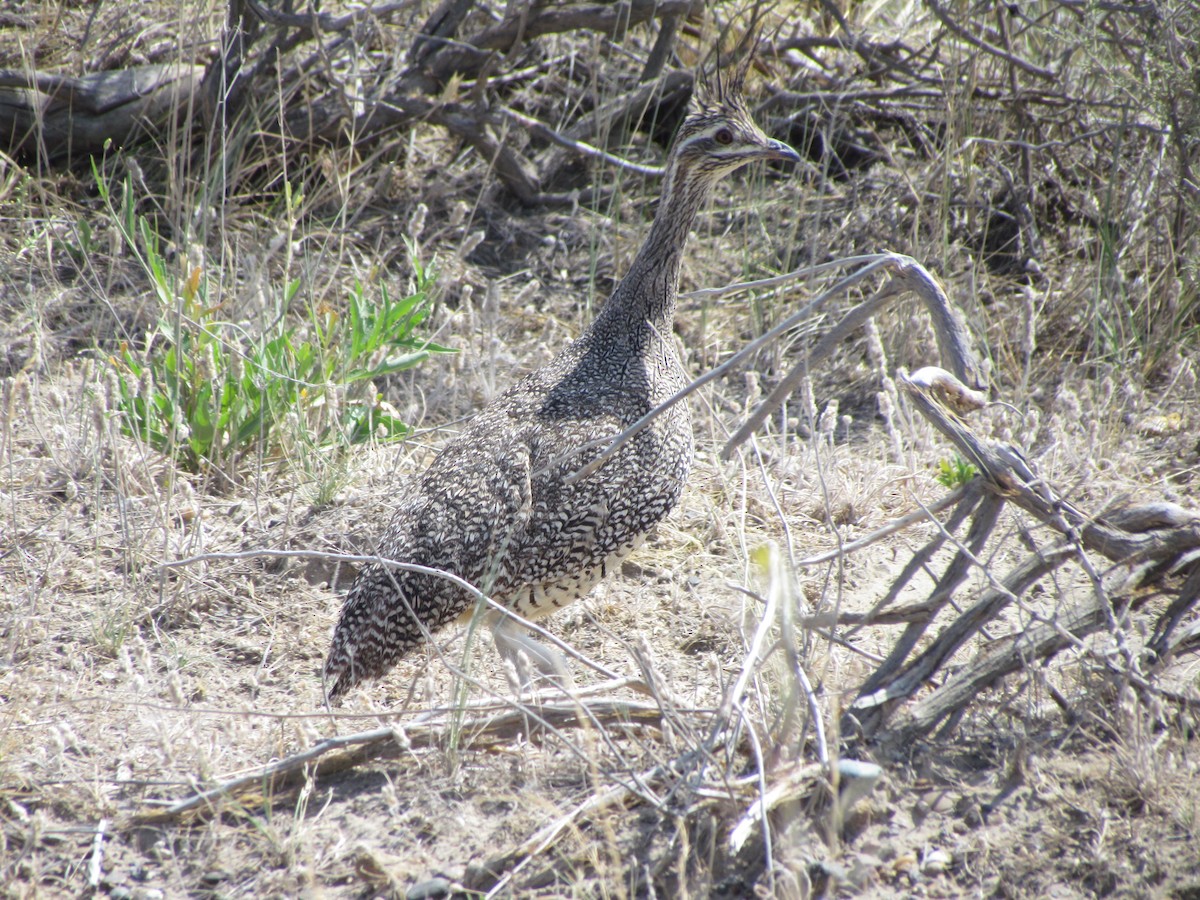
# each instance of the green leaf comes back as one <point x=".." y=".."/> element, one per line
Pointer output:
<point x="388" y="366"/>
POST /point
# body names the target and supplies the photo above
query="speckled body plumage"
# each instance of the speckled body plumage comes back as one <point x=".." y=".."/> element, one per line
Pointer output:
<point x="496" y="506"/>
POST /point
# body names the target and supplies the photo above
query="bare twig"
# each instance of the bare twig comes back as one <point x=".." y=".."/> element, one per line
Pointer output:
<point x="429" y="730"/>
<point x="869" y="710"/>
<point x="313" y="22"/>
<point x="467" y="56"/>
<point x="796" y="780"/>
<point x="512" y="862"/>
<point x="96" y="861"/>
<point x="1011" y="477"/>
<point x="1146" y="543"/>
<point x="971" y="494"/>
<point x="952" y="337"/>
<point x="580" y="146"/>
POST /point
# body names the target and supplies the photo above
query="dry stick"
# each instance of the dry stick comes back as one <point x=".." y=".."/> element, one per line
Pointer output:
<point x="517" y="173"/>
<point x="464" y="56"/>
<point x="285" y="766"/>
<point x="760" y="770"/>
<point x="676" y="771"/>
<point x="597" y="125"/>
<point x="479" y="596"/>
<point x="953" y="341"/>
<point x="664" y="44"/>
<point x="639" y="649"/>
<point x="496" y="703"/>
<point x="971" y="493"/>
<point x="780" y="579"/>
<point x="373" y="744"/>
<point x="768" y="799"/>
<point x="96" y="863"/>
<point x="1010" y="477"/>
<point x="1032" y="643"/>
<point x="438" y="29"/>
<point x="983" y="521"/>
<point x="57" y="115"/>
<point x="740" y="287"/>
<point x="1159" y="643"/>
<point x="815" y="623"/>
<point x="992" y="602"/>
<point x="884" y="687"/>
<point x="1050" y="635"/>
<point x="550" y="134"/>
<point x="617" y="441"/>
<point x="544" y="837"/>
<point x="1046" y="638"/>
<point x="314" y="22"/>
<point x="798" y="779"/>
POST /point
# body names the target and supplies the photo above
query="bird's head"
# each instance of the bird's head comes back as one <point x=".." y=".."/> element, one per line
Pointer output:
<point x="719" y="135"/>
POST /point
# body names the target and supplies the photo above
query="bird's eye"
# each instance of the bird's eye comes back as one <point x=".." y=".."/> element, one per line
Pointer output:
<point x="724" y="136"/>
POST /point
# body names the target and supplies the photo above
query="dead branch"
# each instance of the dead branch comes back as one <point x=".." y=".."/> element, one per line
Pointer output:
<point x="464" y="58"/>
<point x="907" y="274"/>
<point x="1161" y="644"/>
<point x="498" y="872"/>
<point x="921" y="515"/>
<point x="871" y="708"/>
<point x="983" y="520"/>
<point x="580" y="147"/>
<point x="1145" y="544"/>
<point x="1033" y="644"/>
<point x="613" y="119"/>
<point x="314" y="23"/>
<point x="430" y="730"/>
<point x="57" y="116"/>
<point x="1011" y="478"/>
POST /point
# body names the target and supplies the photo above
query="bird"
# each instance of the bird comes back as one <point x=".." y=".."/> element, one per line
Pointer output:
<point x="512" y="505"/>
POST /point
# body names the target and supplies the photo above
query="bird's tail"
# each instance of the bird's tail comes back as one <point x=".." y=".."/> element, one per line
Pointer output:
<point x="374" y="630"/>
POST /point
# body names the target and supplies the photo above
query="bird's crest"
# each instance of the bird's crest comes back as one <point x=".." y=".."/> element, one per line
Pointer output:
<point x="723" y="84"/>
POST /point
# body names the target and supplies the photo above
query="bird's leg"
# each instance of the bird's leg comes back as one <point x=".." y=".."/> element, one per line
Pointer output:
<point x="516" y="646"/>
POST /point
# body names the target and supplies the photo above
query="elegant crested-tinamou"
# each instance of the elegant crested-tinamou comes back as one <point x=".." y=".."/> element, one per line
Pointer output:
<point x="499" y="507"/>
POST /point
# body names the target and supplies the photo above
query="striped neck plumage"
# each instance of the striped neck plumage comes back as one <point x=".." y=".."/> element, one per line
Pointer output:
<point x="649" y="289"/>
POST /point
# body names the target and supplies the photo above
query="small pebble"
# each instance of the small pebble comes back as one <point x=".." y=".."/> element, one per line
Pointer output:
<point x="935" y="862"/>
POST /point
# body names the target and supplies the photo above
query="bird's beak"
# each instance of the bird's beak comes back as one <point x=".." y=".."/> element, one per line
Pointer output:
<point x="779" y="150"/>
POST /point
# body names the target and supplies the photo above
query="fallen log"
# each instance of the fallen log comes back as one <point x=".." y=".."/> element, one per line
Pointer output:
<point x="59" y="117"/>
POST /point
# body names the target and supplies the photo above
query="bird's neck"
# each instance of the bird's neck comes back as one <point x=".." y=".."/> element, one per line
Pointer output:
<point x="647" y="293"/>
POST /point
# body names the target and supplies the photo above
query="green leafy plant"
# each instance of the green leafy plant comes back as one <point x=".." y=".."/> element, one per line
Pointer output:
<point x="954" y="472"/>
<point x="207" y="393"/>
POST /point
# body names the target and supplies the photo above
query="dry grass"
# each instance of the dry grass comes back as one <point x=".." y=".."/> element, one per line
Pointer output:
<point x="1061" y="215"/>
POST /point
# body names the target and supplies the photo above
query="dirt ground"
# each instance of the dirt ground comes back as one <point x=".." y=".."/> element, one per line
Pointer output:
<point x="128" y="686"/>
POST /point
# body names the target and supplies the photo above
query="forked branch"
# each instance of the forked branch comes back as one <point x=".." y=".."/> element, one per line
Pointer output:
<point x="1153" y="543"/>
